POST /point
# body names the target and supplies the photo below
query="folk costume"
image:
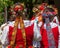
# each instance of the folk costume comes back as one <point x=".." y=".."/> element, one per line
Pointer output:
<point x="49" y="30"/>
<point x="21" y="33"/>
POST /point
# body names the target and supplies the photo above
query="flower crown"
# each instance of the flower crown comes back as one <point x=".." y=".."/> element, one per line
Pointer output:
<point x="48" y="12"/>
<point x="35" y="10"/>
<point x="19" y="7"/>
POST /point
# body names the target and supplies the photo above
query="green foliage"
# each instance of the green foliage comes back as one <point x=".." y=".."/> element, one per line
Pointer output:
<point x="3" y="4"/>
<point x="1" y="18"/>
<point x="7" y="3"/>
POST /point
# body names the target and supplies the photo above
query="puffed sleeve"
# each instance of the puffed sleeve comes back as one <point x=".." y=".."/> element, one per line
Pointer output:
<point x="4" y="35"/>
<point x="37" y="34"/>
<point x="36" y="28"/>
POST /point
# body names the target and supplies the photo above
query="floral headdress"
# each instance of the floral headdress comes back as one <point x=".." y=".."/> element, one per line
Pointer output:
<point x="17" y="7"/>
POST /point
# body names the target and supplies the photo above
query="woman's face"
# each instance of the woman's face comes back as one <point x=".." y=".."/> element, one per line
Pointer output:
<point x="48" y="14"/>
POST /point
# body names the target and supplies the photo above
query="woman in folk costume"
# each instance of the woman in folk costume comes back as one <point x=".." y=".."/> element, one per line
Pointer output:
<point x="22" y="32"/>
<point x="37" y="14"/>
<point x="56" y="20"/>
<point x="49" y="30"/>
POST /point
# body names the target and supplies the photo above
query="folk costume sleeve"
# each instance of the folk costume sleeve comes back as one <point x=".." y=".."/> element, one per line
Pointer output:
<point x="37" y="34"/>
<point x="4" y="35"/>
<point x="5" y="30"/>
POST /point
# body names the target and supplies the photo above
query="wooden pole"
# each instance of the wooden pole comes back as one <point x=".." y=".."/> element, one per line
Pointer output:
<point x="5" y="15"/>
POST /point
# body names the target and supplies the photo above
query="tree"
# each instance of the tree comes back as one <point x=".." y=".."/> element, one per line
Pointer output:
<point x="4" y="4"/>
<point x="3" y="7"/>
